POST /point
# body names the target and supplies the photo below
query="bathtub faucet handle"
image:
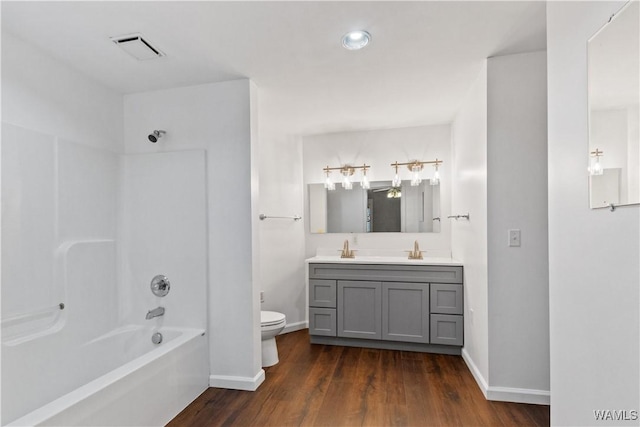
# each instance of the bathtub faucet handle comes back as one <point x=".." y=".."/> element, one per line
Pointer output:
<point x="159" y="311"/>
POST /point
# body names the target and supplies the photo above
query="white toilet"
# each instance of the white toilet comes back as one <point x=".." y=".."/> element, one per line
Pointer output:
<point x="271" y="324"/>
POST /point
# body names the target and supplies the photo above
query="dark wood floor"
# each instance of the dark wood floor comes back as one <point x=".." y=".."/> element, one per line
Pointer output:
<point x="317" y="385"/>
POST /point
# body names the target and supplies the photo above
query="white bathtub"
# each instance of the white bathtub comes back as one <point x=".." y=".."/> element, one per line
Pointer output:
<point x="120" y="378"/>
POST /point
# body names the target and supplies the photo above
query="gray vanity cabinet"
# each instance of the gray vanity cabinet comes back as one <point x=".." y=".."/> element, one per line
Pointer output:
<point x="446" y="314"/>
<point x="322" y="307"/>
<point x="396" y="306"/>
<point x="405" y="312"/>
<point x="359" y="305"/>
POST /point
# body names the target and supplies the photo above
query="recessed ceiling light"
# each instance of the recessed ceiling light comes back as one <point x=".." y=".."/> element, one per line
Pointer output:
<point x="355" y="40"/>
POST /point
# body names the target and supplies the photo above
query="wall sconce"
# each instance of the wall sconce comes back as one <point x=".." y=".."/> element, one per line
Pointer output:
<point x="347" y="172"/>
<point x="595" y="165"/>
<point x="416" y="167"/>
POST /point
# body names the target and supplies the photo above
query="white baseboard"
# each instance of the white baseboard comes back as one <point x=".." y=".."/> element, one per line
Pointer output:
<point x="482" y="383"/>
<point x="519" y="395"/>
<point x="237" y="383"/>
<point x="292" y="327"/>
<point x="506" y="394"/>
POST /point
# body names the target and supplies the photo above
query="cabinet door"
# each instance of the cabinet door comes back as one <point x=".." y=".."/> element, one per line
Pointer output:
<point x="322" y="293"/>
<point x="322" y="321"/>
<point x="446" y="329"/>
<point x="405" y="312"/>
<point x="359" y="309"/>
<point x="446" y="298"/>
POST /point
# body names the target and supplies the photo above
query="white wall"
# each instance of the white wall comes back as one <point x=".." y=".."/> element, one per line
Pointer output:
<point x="216" y="118"/>
<point x="469" y="238"/>
<point x="282" y="242"/>
<point x="594" y="254"/>
<point x="517" y="199"/>
<point x="380" y="148"/>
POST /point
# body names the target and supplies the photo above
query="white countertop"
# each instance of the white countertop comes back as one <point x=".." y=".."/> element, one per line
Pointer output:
<point x="330" y="259"/>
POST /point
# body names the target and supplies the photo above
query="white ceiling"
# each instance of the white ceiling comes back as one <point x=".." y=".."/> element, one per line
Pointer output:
<point x="422" y="59"/>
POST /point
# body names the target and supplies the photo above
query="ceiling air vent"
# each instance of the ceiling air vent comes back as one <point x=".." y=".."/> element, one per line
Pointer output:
<point x="136" y="46"/>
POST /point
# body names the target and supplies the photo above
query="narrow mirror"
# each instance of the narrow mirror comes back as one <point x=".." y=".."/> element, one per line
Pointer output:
<point x="614" y="114"/>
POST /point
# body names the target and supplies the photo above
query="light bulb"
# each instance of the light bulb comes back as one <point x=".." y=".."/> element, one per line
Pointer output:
<point x="328" y="184"/>
<point x="365" y="182"/>
<point x="396" y="181"/>
<point x="415" y="179"/>
<point x="436" y="178"/>
<point x="346" y="183"/>
<point x="597" y="167"/>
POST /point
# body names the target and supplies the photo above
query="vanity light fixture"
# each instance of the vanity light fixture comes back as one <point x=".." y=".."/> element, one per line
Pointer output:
<point x="355" y="40"/>
<point x="595" y="166"/>
<point x="347" y="172"/>
<point x="416" y="167"/>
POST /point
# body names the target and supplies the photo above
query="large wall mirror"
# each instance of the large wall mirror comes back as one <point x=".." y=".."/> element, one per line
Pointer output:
<point x="614" y="113"/>
<point x="382" y="208"/>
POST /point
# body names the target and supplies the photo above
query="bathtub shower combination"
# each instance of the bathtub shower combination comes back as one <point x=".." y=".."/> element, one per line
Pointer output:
<point x="110" y="380"/>
<point x="91" y="334"/>
<point x="63" y="375"/>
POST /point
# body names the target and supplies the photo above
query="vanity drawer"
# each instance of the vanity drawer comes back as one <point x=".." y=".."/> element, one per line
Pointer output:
<point x="446" y="298"/>
<point x="322" y="293"/>
<point x="447" y="329"/>
<point x="322" y="321"/>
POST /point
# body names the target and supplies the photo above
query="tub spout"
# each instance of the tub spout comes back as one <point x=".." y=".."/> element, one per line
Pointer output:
<point x="159" y="311"/>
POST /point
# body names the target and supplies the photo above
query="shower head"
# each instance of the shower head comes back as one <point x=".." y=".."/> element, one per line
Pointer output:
<point x="156" y="135"/>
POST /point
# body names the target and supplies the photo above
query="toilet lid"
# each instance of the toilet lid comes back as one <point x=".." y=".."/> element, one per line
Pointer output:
<point x="268" y="318"/>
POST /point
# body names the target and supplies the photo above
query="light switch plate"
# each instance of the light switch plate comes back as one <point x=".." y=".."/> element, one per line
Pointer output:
<point x="514" y="237"/>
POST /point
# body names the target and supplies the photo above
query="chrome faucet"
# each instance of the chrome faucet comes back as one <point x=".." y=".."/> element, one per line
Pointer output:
<point x="159" y="311"/>
<point x="416" y="253"/>
<point x="346" y="253"/>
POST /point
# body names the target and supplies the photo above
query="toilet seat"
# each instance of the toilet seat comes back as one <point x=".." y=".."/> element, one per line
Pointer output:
<point x="271" y="318"/>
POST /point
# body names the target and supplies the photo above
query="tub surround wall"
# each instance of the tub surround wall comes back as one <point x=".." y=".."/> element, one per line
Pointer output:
<point x="163" y="230"/>
<point x="52" y="122"/>
<point x="216" y="118"/>
<point x="29" y="200"/>
<point x="41" y="94"/>
<point x="593" y="270"/>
